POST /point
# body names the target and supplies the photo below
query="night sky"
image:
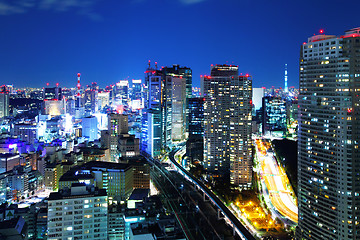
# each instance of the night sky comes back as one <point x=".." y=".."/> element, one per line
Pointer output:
<point x="51" y="40"/>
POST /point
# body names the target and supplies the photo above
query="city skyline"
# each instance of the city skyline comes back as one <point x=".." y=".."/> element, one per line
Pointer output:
<point x="52" y="41"/>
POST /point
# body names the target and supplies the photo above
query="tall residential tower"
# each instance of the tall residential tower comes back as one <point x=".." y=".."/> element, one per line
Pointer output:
<point x="329" y="132"/>
<point x="227" y="124"/>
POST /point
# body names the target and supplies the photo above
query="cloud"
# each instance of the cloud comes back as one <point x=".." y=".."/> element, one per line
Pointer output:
<point x="188" y="2"/>
<point x="83" y="7"/>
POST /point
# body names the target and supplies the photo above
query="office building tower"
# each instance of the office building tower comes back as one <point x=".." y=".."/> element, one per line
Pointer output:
<point x="151" y="133"/>
<point x="154" y="136"/>
<point x="90" y="101"/>
<point x="52" y="93"/>
<point x="166" y="93"/>
<point x="175" y="72"/>
<point x="136" y="93"/>
<point x="78" y="213"/>
<point x="178" y="118"/>
<point x="196" y="116"/>
<point x="258" y="94"/>
<point x="90" y="128"/>
<point x="117" y="125"/>
<point x="122" y="92"/>
<point x="180" y="72"/>
<point x="103" y="99"/>
<point x="274" y="116"/>
<point x="227" y="124"/>
<point x="328" y="142"/>
<point x="4" y="102"/>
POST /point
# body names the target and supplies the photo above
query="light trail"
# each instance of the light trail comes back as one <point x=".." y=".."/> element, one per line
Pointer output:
<point x="275" y="180"/>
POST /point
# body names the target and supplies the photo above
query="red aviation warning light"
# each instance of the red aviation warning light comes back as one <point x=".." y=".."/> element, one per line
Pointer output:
<point x="78" y="85"/>
<point x="321" y="31"/>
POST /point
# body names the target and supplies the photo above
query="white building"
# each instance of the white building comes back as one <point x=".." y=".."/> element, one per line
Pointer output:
<point x="79" y="213"/>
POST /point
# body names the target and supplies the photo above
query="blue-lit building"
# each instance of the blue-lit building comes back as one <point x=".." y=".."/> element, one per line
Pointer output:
<point x="166" y="93"/>
<point x="195" y="143"/>
<point x="274" y="116"/>
<point x="196" y="116"/>
<point x="90" y="128"/>
<point x="151" y="133"/>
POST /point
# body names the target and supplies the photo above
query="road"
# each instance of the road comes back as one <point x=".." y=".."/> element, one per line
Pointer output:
<point x="276" y="182"/>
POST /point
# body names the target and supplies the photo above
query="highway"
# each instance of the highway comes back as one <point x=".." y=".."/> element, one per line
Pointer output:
<point x="229" y="217"/>
<point x="276" y="182"/>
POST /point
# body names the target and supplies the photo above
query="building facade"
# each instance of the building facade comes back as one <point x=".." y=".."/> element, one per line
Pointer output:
<point x="227" y="124"/>
<point x="80" y="213"/>
<point x="328" y="143"/>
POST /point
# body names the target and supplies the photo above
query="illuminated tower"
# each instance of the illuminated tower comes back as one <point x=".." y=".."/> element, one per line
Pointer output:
<point x="286" y="79"/>
<point x="329" y="137"/>
<point x="78" y="93"/>
<point x="79" y="108"/>
<point x="227" y="124"/>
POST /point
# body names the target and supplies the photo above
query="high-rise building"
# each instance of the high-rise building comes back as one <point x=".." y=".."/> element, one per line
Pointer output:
<point x="227" y="124"/>
<point x="122" y="92"/>
<point x="136" y="93"/>
<point x="166" y="93"/>
<point x="78" y="213"/>
<point x="117" y="125"/>
<point x="52" y="93"/>
<point x="258" y="94"/>
<point x="151" y="133"/>
<point x="274" y="116"/>
<point x="178" y="118"/>
<point x="185" y="73"/>
<point x="196" y="116"/>
<point x="90" y="128"/>
<point x="328" y="142"/>
<point x="90" y="101"/>
<point x="4" y="102"/>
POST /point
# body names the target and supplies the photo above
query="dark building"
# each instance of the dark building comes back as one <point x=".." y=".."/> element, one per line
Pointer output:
<point x="196" y="116"/>
<point x="52" y="93"/>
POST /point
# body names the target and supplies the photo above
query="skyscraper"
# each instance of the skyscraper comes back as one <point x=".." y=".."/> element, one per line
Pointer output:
<point x="117" y="125"/>
<point x="227" y="124"/>
<point x="328" y="146"/>
<point x="178" y="98"/>
<point x="274" y="116"/>
<point x="4" y="102"/>
<point x="166" y="92"/>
